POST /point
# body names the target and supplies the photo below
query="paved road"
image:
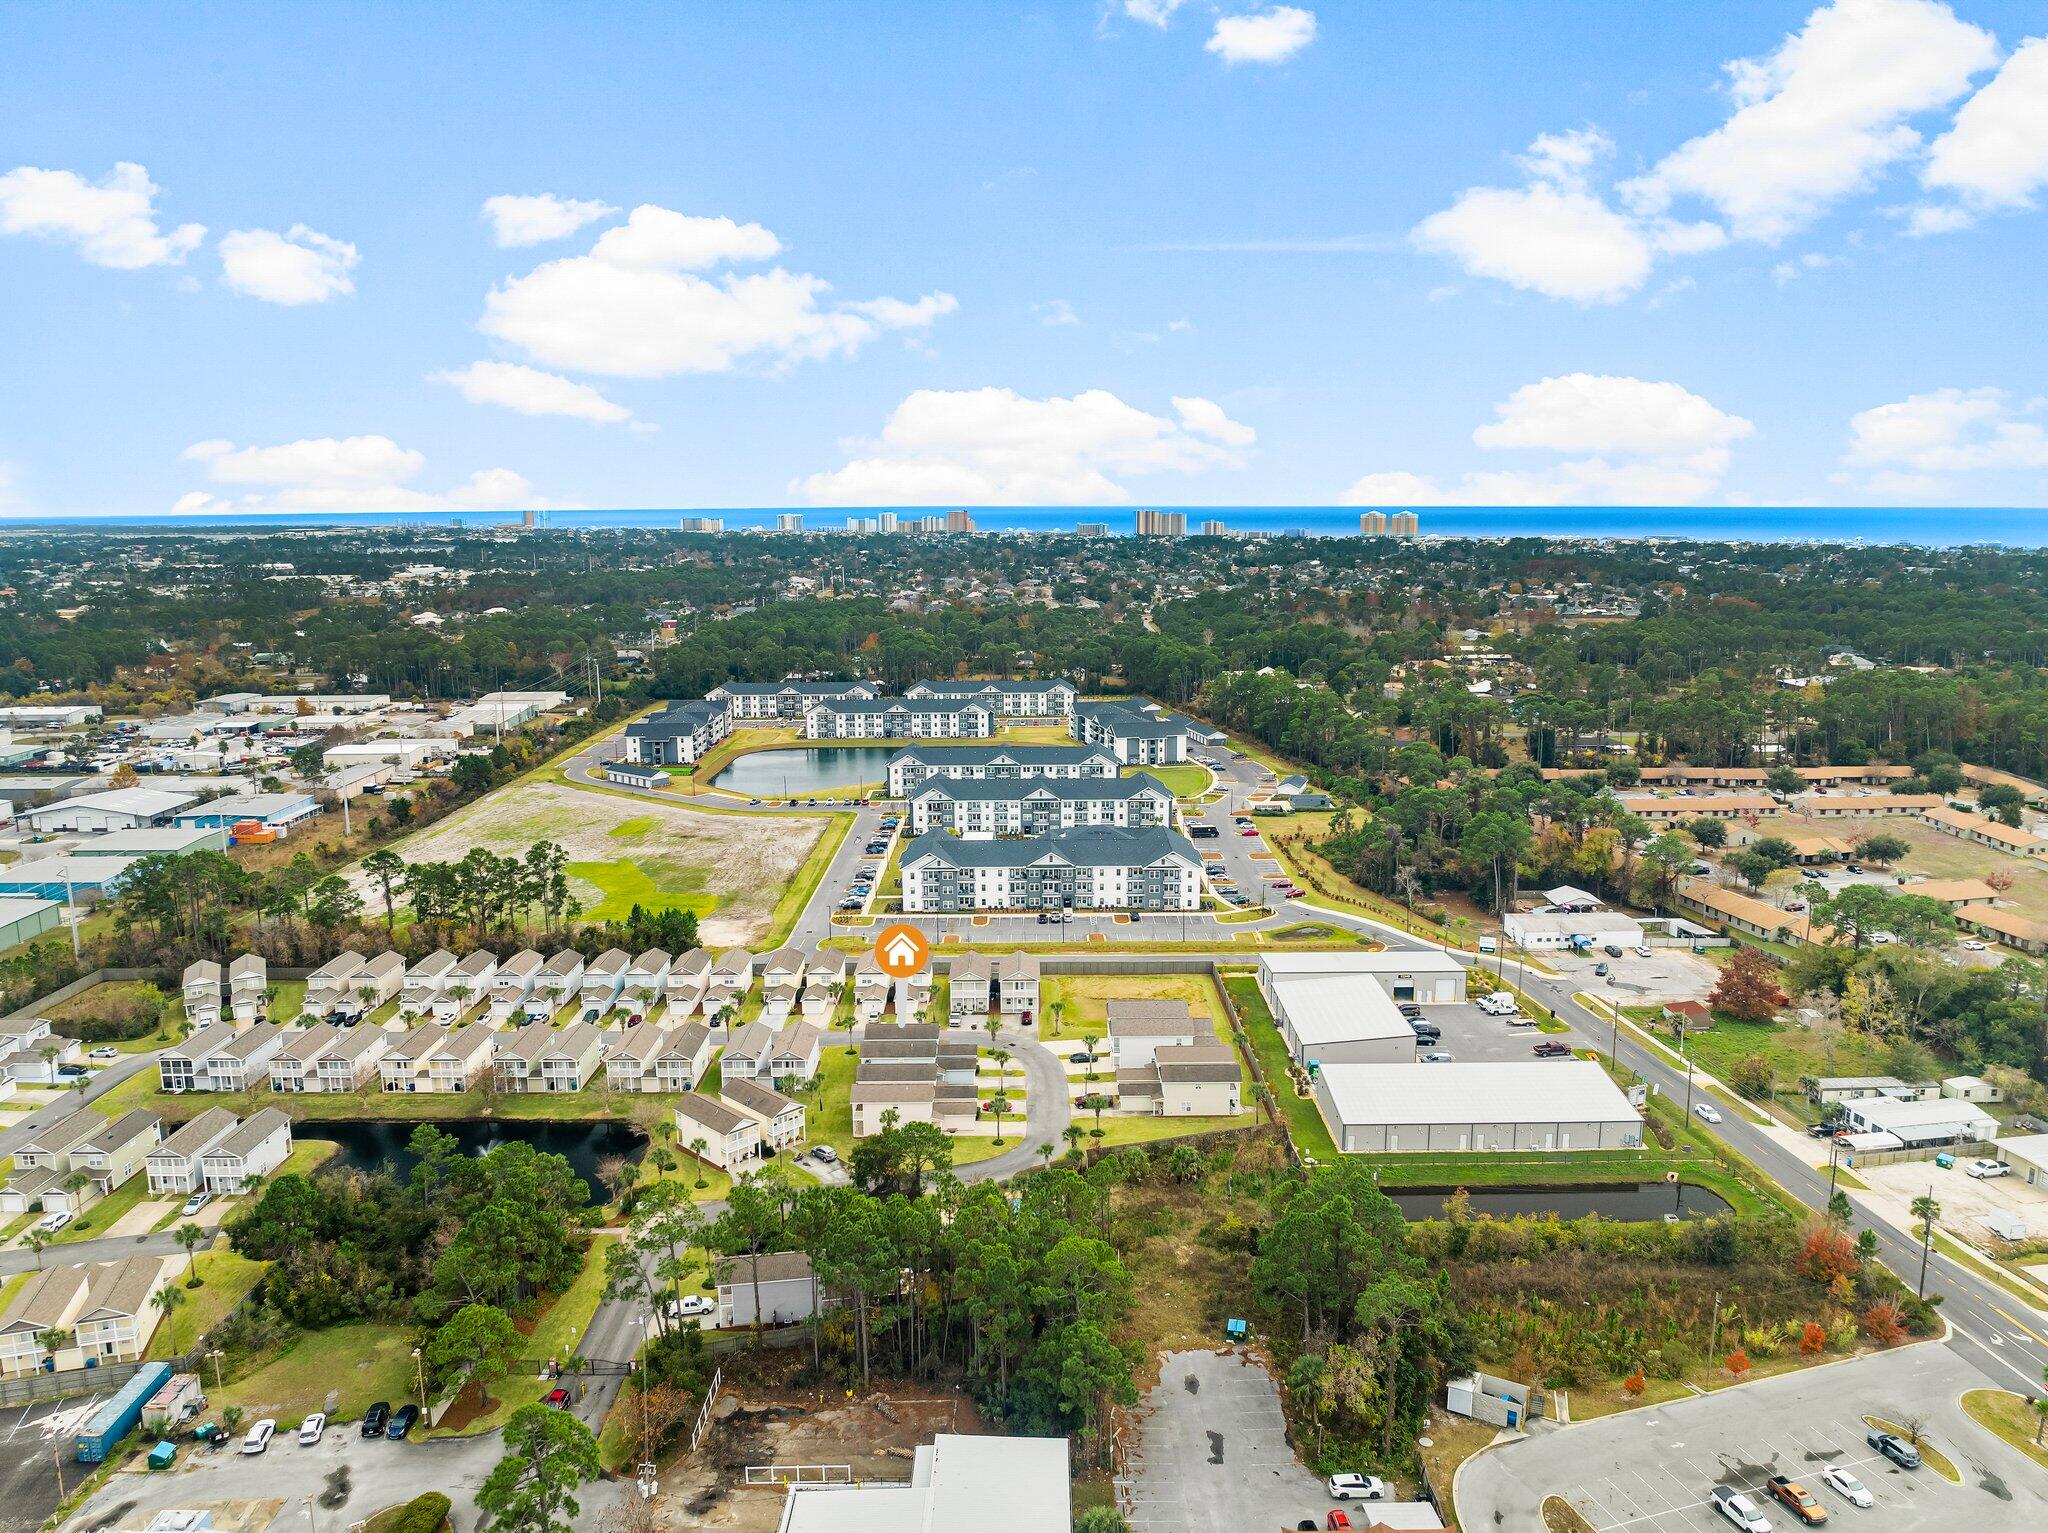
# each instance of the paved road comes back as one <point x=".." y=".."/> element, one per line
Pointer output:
<point x="1211" y="1455"/>
<point x="104" y="1249"/>
<point x="104" y="1079"/>
<point x="1652" y="1470"/>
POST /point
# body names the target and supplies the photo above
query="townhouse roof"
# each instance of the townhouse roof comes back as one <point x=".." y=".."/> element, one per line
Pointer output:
<point x="245" y="1045"/>
<point x="769" y="1267"/>
<point x="308" y="1043"/>
<point x="339" y="967"/>
<point x="477" y="964"/>
<point x="710" y="1112"/>
<point x="248" y="966"/>
<point x="436" y="964"/>
<point x="1053" y="789"/>
<point x="568" y="961"/>
<point x="1192" y="1062"/>
<point x="924" y="705"/>
<point x="125" y="1130"/>
<point x="696" y="962"/>
<point x="902" y="1032"/>
<point x="522" y="963"/>
<point x="735" y="960"/>
<point x="417" y="1043"/>
<point x="209" y="1040"/>
<point x="613" y="960"/>
<point x="188" y="1140"/>
<point x="753" y="1097"/>
<point x="250" y="1133"/>
<point x="66" y="1134"/>
<point x="63" y="1296"/>
<point x="654" y="958"/>
<point x="1982" y="825"/>
<point x="1003" y="755"/>
<point x="1152" y="1019"/>
<point x="201" y="972"/>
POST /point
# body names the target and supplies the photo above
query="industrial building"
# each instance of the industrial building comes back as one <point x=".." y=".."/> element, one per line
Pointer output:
<point x="1533" y="1105"/>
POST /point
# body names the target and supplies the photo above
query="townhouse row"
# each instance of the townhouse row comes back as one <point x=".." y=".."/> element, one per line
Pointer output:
<point x="71" y="1164"/>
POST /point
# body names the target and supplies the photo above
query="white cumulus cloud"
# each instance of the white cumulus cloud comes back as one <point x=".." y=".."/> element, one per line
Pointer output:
<point x="1822" y="116"/>
<point x="1263" y="37"/>
<point x="297" y="267"/>
<point x="1906" y="448"/>
<point x="995" y="446"/>
<point x="530" y="391"/>
<point x="358" y="473"/>
<point x="1995" y="156"/>
<point x="1562" y="242"/>
<point x="111" y="222"/>
<point x="535" y="220"/>
<point x="636" y="306"/>
<point x="1154" y="13"/>
<point x="1632" y="441"/>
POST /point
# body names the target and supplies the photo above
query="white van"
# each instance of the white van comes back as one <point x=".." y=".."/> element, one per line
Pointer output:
<point x="1497" y="1004"/>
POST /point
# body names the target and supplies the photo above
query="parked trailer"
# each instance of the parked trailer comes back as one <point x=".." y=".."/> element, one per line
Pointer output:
<point x="112" y="1421"/>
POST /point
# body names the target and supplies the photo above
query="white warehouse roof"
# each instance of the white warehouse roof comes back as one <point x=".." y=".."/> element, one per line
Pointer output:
<point x="1338" y="1008"/>
<point x="1432" y="960"/>
<point x="951" y="1481"/>
<point x="1532" y="1091"/>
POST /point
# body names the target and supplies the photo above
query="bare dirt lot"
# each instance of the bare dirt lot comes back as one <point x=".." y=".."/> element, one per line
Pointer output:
<point x="729" y="869"/>
<point x="864" y="1440"/>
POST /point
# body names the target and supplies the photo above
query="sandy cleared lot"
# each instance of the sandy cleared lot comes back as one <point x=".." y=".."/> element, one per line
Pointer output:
<point x="729" y="869"/>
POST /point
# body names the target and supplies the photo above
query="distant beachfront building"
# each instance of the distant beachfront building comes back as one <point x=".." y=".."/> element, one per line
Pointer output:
<point x="1372" y="524"/>
<point x="1162" y="524"/>
<point x="1214" y="529"/>
<point x="1403" y="524"/>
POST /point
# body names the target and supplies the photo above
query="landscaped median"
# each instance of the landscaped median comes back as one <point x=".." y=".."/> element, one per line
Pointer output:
<point x="2019" y="1421"/>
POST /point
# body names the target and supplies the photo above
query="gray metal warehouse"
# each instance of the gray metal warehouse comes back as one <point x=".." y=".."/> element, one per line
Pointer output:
<point x="1538" y="1105"/>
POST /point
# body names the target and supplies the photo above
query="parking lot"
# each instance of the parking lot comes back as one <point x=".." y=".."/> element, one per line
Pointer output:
<point x="1668" y="974"/>
<point x="29" y="1434"/>
<point x="1653" y="1470"/>
<point x="1211" y="1455"/>
<point x="1470" y="1035"/>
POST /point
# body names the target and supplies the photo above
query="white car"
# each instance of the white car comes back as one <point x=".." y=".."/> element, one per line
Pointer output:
<point x="1357" y="1487"/>
<point x="1882" y="939"/>
<point x="1984" y="1170"/>
<point x="1971" y="945"/>
<point x="1847" y="1485"/>
<point x="311" y="1429"/>
<point x="193" y="1204"/>
<point x="49" y="1224"/>
<point x="107" y="1053"/>
<point x="259" y="1436"/>
<point x="1740" y="1510"/>
<point x="1643" y="950"/>
<point x="1706" y="1112"/>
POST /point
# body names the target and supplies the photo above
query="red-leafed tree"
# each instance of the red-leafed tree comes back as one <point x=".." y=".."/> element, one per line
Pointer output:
<point x="1748" y="987"/>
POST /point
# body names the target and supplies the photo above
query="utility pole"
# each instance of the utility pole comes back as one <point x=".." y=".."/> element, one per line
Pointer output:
<point x="1714" y="1335"/>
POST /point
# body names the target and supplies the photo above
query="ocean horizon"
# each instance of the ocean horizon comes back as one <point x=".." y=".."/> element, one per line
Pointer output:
<point x="1930" y="527"/>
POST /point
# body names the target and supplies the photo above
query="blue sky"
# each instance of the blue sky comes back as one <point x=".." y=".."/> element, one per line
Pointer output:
<point x="1108" y="252"/>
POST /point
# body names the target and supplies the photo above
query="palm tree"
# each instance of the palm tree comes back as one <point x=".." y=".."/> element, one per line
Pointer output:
<point x="1091" y="1039"/>
<point x="1059" y="1013"/>
<point x="1095" y="1104"/>
<point x="999" y="1104"/>
<point x="697" y="1148"/>
<point x="1926" y="1210"/>
<point x="662" y="1159"/>
<point x="190" y="1237"/>
<point x="1045" y="1152"/>
<point x="1073" y="1133"/>
<point x="35" y="1240"/>
<point x="167" y="1299"/>
<point x="53" y="1340"/>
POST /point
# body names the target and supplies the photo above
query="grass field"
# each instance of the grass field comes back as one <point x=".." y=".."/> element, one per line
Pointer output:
<point x="359" y="1363"/>
<point x="1183" y="779"/>
<point x="1084" y="1000"/>
<point x="1304" y="1120"/>
<point x="1789" y="1050"/>
<point x="1936" y="855"/>
<point x="730" y="869"/>
<point x="225" y="1280"/>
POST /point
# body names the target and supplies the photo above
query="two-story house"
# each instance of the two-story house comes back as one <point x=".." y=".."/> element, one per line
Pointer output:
<point x="781" y="1120"/>
<point x="182" y="1066"/>
<point x="244" y="1060"/>
<point x="559" y="982"/>
<point x="425" y="981"/>
<point x="249" y="989"/>
<point x="604" y="981"/>
<point x="173" y="1165"/>
<point x="332" y="983"/>
<point x="516" y="979"/>
<point x="254" y="1148"/>
<point x="104" y="1311"/>
<point x="646" y="981"/>
<point x="292" y="1067"/>
<point x="348" y="1061"/>
<point x="202" y="992"/>
<point x="719" y="1135"/>
<point x="468" y="982"/>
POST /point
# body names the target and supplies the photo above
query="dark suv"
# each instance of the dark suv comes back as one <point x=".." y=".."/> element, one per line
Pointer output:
<point x="376" y="1418"/>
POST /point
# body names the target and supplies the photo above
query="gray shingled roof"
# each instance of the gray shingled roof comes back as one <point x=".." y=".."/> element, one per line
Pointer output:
<point x="989" y="755"/>
<point x="1015" y="789"/>
<point x="1084" y="846"/>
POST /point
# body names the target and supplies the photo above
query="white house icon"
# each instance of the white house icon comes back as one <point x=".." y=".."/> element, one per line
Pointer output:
<point x="901" y="952"/>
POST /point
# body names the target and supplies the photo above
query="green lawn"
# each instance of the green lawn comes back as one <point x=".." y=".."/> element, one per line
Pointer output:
<point x="1143" y="1130"/>
<point x="405" y="1106"/>
<point x="1304" y="1119"/>
<point x="1183" y="779"/>
<point x="828" y="1116"/>
<point x="2007" y="1415"/>
<point x="225" y="1280"/>
<point x="361" y="1363"/>
<point x="1789" y="1050"/>
<point x="623" y="884"/>
<point x="100" y="1216"/>
<point x="1083" y="1001"/>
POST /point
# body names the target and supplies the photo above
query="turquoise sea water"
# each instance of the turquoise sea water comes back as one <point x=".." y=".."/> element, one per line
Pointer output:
<point x="1939" y="527"/>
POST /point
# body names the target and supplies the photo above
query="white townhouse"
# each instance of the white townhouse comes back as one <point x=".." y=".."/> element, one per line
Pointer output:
<point x="182" y="1066"/>
<point x="105" y="1313"/>
<point x="971" y="979"/>
<point x="244" y="1060"/>
<point x="659" y="1058"/>
<point x="248" y="988"/>
<point x="783" y="966"/>
<point x="173" y="1165"/>
<point x="915" y="765"/>
<point x="928" y="718"/>
<point x="425" y="981"/>
<point x="1025" y="807"/>
<point x="647" y="979"/>
<point x="682" y="734"/>
<point x="348" y="1061"/>
<point x="545" y="1059"/>
<point x="781" y="1120"/>
<point x="468" y="982"/>
<point x="459" y="1062"/>
<point x="293" y="1067"/>
<point x="629" y="1062"/>
<point x="1017" y="985"/>
<point x="689" y="977"/>
<point x="732" y="974"/>
<point x="760" y="1052"/>
<point x="404" y="1063"/>
<point x="559" y="982"/>
<point x="116" y="1151"/>
<point x="1098" y="868"/>
<point x="1049" y="699"/>
<point x="202" y="992"/>
<point x="333" y="982"/>
<point x="788" y="699"/>
<point x="255" y="1147"/>
<point x="514" y="982"/>
<point x="729" y="1137"/>
<point x="604" y="979"/>
<point x="1138" y="1029"/>
<point x="377" y="982"/>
